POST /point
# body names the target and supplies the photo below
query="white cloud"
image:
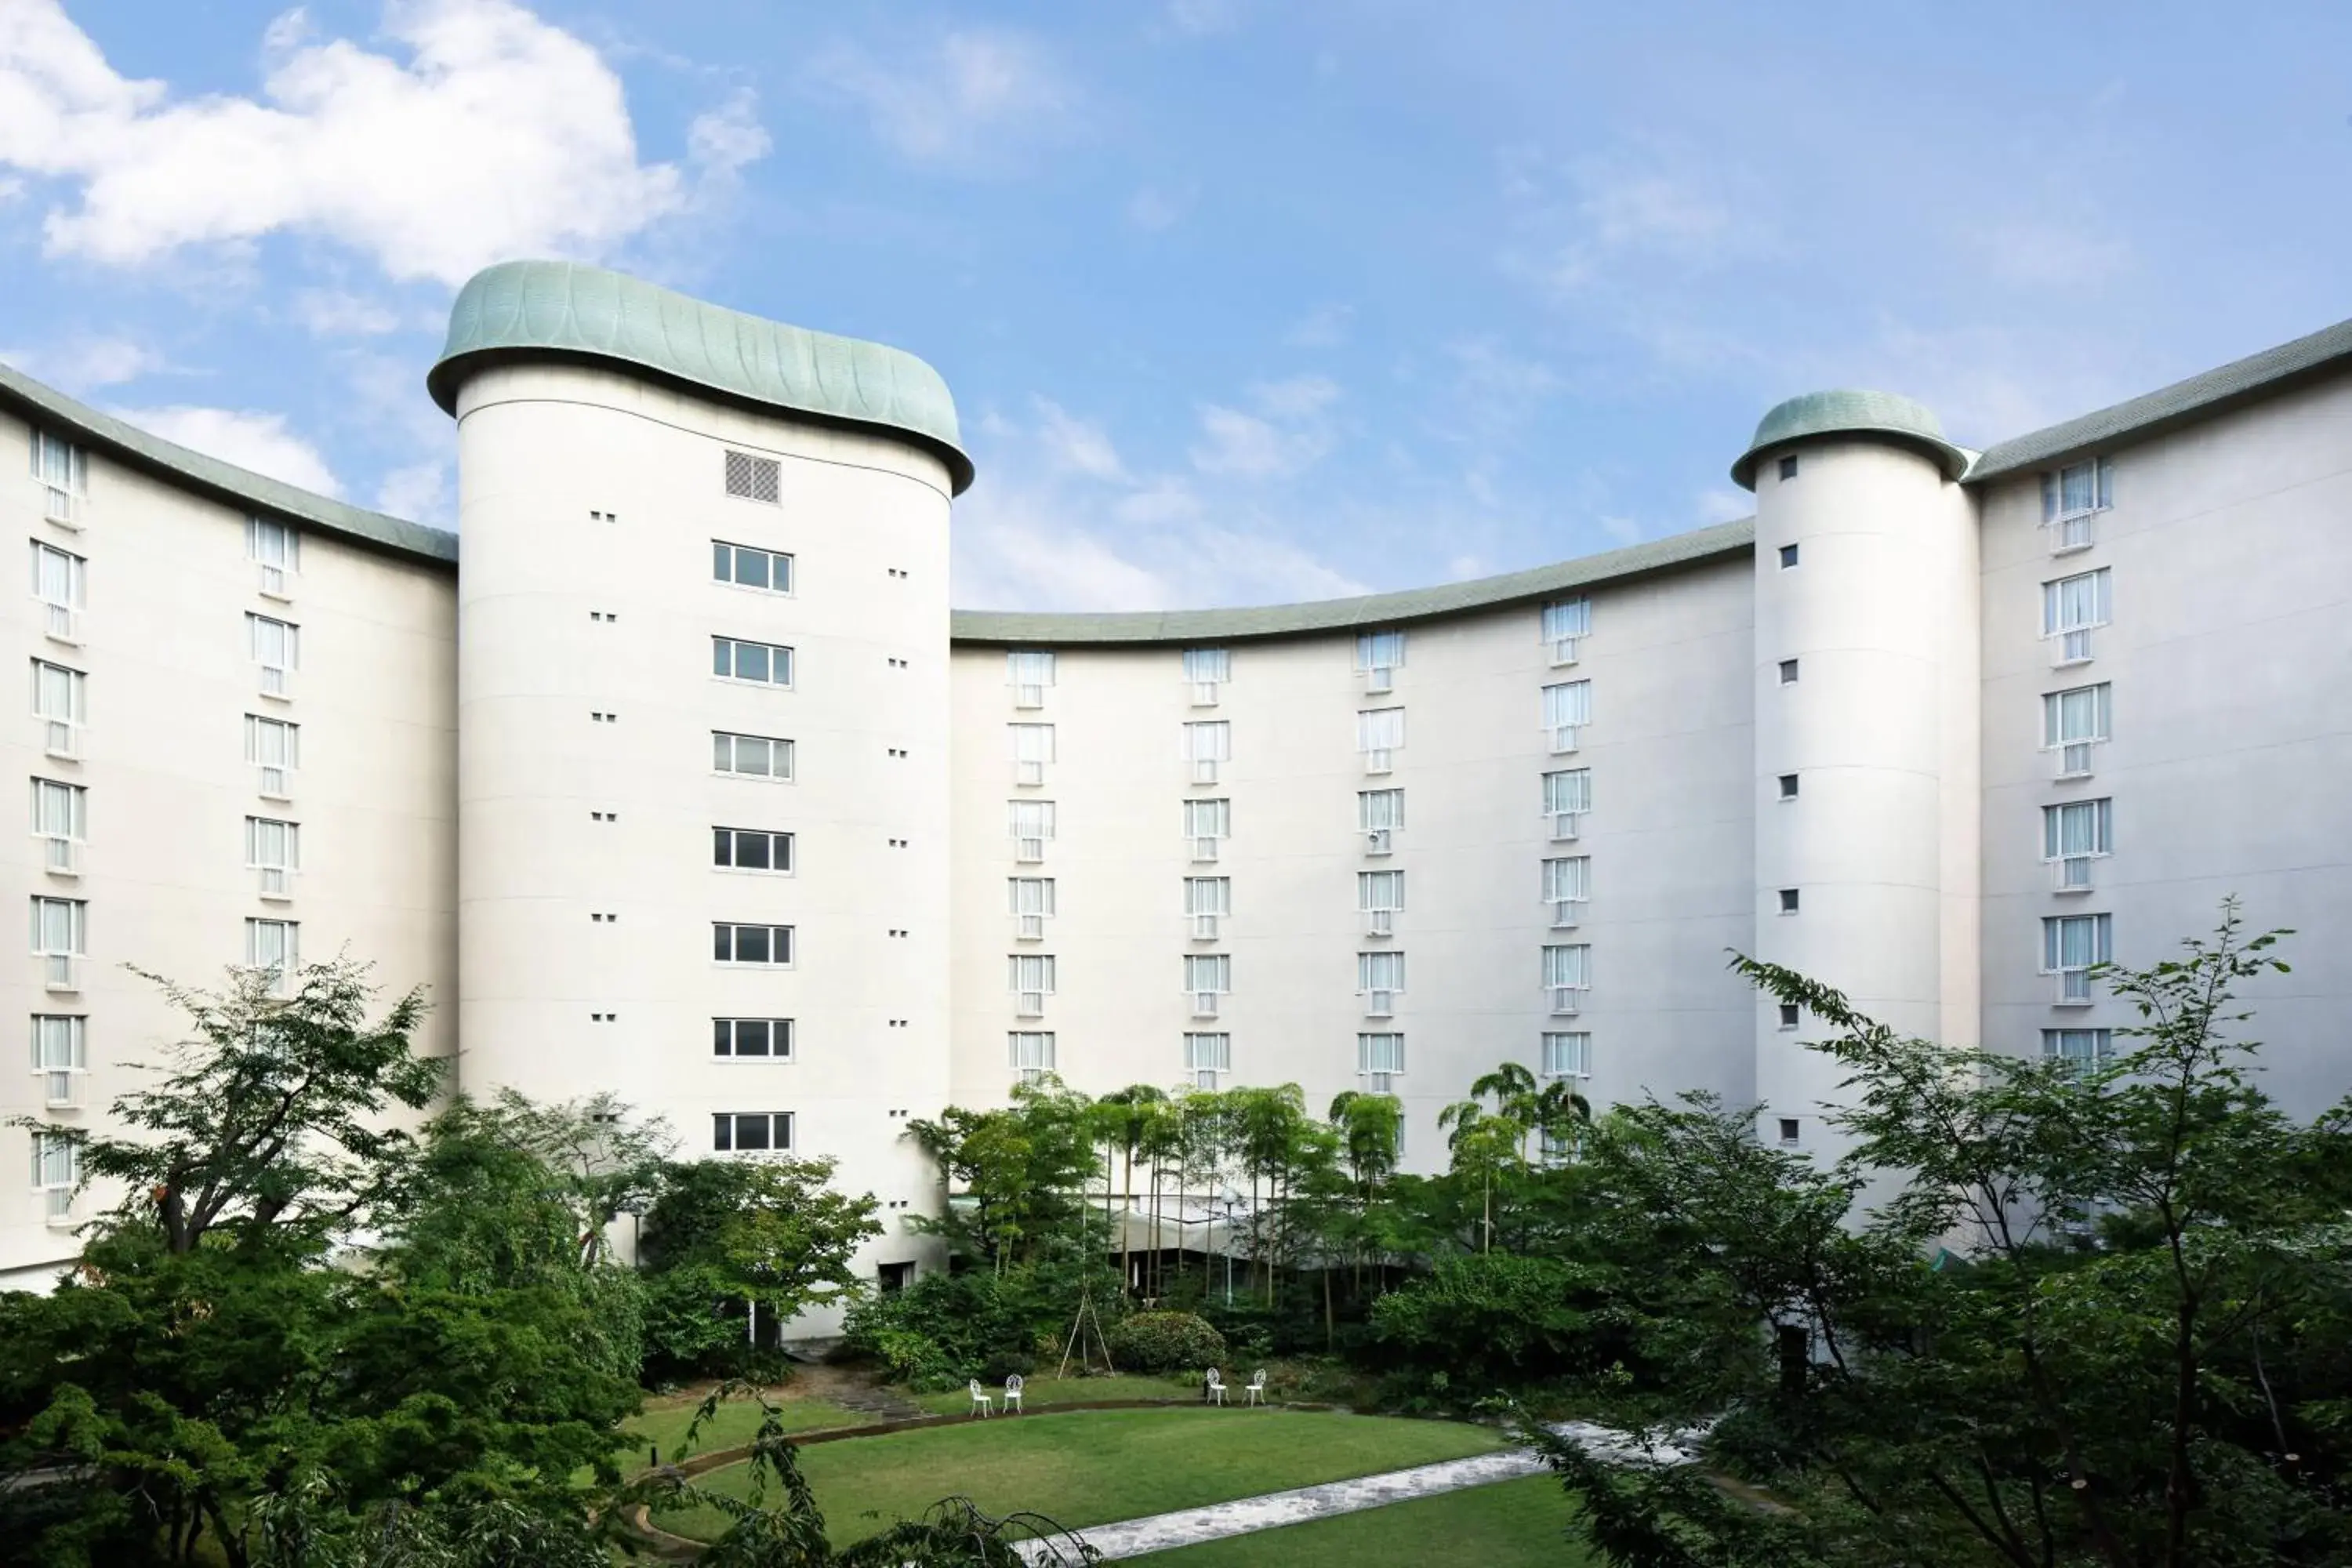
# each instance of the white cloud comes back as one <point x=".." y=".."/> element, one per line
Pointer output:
<point x="1200" y="17"/>
<point x="1615" y="222"/>
<point x="1326" y="326"/>
<point x="332" y="314"/>
<point x="248" y="438"/>
<point x="418" y="492"/>
<point x="1287" y="436"/>
<point x="496" y="135"/>
<point x="1724" y="506"/>
<point x="1151" y="210"/>
<point x="1074" y="445"/>
<point x="82" y="363"/>
<point x="970" y="94"/>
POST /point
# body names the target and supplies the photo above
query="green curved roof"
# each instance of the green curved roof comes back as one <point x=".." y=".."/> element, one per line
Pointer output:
<point x="1849" y="411"/>
<point x="521" y="309"/>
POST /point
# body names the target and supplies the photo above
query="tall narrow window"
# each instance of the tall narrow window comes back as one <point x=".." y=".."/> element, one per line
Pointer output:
<point x="58" y="582"/>
<point x="56" y="1173"/>
<point x="1031" y="1054"/>
<point x="1567" y="799"/>
<point x="1207" y="744"/>
<point x="60" y="820"/>
<point x="2072" y="945"/>
<point x="2072" y="609"/>
<point x="273" y="852"/>
<point x="2069" y="496"/>
<point x="1379" y="734"/>
<point x="745" y="567"/>
<point x="1568" y="1055"/>
<point x="1207" y="670"/>
<point x="754" y="479"/>
<point x="59" y="699"/>
<point x="62" y="470"/>
<point x="1379" y="1062"/>
<point x="1567" y="976"/>
<point x="1030" y="824"/>
<point x="274" y="948"/>
<point x="1567" y="886"/>
<point x="272" y="745"/>
<point x="275" y="549"/>
<point x="752" y="756"/>
<point x="2073" y="836"/>
<point x="1029" y="671"/>
<point x="1378" y="654"/>
<point x="1029" y="901"/>
<point x="761" y="663"/>
<point x="1032" y="748"/>
<point x="1380" y="976"/>
<point x="1567" y="710"/>
<point x="60" y="1057"/>
<point x="1566" y="623"/>
<point x="2074" y="720"/>
<point x="1207" y="823"/>
<point x="1208" y="1059"/>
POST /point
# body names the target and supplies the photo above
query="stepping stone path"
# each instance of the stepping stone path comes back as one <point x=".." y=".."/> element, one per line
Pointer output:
<point x="882" y="1403"/>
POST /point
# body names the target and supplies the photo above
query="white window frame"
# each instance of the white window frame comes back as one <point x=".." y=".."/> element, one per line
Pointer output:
<point x="1567" y="976"/>
<point x="1380" y="981"/>
<point x="266" y="635"/>
<point x="2071" y="750"/>
<point x="2100" y="1051"/>
<point x="61" y="471"/>
<point x="61" y="822"/>
<point x="727" y="651"/>
<point x="1379" y="735"/>
<point x="734" y="558"/>
<point x="1566" y="623"/>
<point x="1030" y="672"/>
<point x="727" y="753"/>
<point x="60" y="583"/>
<point x="1208" y="1058"/>
<point x="275" y="547"/>
<point x="2073" y="608"/>
<point x="1567" y="882"/>
<point x="2098" y="483"/>
<point x="787" y="1121"/>
<point x="1379" y="1057"/>
<point x="1565" y="1053"/>
<point x="60" y="1043"/>
<point x="56" y="1173"/>
<point x="264" y="735"/>
<point x="1207" y="671"/>
<point x="1567" y="710"/>
<point x="1032" y="746"/>
<point x="778" y="1029"/>
<point x="274" y="947"/>
<point x="1030" y="1053"/>
<point x="1029" y="901"/>
<point x="779" y="936"/>
<point x="2073" y="978"/>
<point x="1379" y="656"/>
<point x="2069" y="855"/>
<point x="778" y="838"/>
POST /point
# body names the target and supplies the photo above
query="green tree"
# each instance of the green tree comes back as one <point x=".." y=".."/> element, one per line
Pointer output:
<point x="1015" y="1179"/>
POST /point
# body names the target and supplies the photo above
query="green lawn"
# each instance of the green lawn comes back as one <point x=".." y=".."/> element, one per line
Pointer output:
<point x="1043" y="1391"/>
<point x="1096" y="1466"/>
<point x="731" y="1427"/>
<point x="1511" y="1524"/>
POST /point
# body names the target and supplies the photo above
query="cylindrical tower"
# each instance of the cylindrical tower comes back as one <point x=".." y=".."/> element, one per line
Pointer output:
<point x="702" y="720"/>
<point x="1866" y="730"/>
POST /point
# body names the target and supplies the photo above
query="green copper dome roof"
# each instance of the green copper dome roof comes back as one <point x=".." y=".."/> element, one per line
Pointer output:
<point x="521" y="310"/>
<point x="1851" y="412"/>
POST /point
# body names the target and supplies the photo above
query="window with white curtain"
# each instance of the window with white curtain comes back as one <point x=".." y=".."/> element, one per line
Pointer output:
<point x="61" y="1056"/>
<point x="1208" y="666"/>
<point x="1379" y="890"/>
<point x="1207" y="895"/>
<point x="2076" y="717"/>
<point x="57" y="693"/>
<point x="274" y="946"/>
<point x="1568" y="879"/>
<point x="1029" y="971"/>
<point x="752" y="756"/>
<point x="2077" y="942"/>
<point x="59" y="464"/>
<point x="1208" y="818"/>
<point x="1380" y="808"/>
<point x="60" y="810"/>
<point x="2083" y="1051"/>
<point x="2073" y="606"/>
<point x="1029" y="818"/>
<point x="1379" y="650"/>
<point x="1029" y="895"/>
<point x="1380" y="1054"/>
<point x="273" y="543"/>
<point x="1207" y="1059"/>
<point x="1031" y="1052"/>
<point x="1030" y="742"/>
<point x="1568" y="704"/>
<point x="57" y="1170"/>
<point x="1029" y="667"/>
<point x="272" y="743"/>
<point x="1566" y="618"/>
<point x="1568" y="1055"/>
<point x="1380" y="728"/>
<point x="1379" y="972"/>
<point x="1208" y="972"/>
<point x="1209" y="741"/>
<point x="271" y="843"/>
<point x="2078" y="827"/>
<point x="1569" y="966"/>
<point x="59" y="576"/>
<point x="1567" y="791"/>
<point x="272" y="642"/>
<point x="60" y="925"/>
<point x="2078" y="488"/>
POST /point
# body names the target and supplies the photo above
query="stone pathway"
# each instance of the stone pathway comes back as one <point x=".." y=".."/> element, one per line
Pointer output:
<point x="882" y="1403"/>
<point x="1187" y="1527"/>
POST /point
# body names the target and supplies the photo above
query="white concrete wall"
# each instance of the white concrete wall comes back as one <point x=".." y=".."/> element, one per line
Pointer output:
<point x="1879" y="843"/>
<point x="169" y="583"/>
<point x="2231" y="641"/>
<point x="1668" y="835"/>
<point x="540" y="449"/>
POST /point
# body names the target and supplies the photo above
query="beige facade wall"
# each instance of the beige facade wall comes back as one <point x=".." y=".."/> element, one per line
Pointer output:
<point x="169" y="680"/>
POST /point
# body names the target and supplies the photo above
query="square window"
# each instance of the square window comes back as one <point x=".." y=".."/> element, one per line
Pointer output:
<point x="1788" y="672"/>
<point x="1787" y="901"/>
<point x="1788" y="556"/>
<point x="1789" y="1139"/>
<point x="1788" y="466"/>
<point x="1788" y="1015"/>
<point x="1788" y="787"/>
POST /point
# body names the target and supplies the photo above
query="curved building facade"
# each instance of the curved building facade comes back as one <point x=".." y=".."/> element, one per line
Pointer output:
<point x="672" y="775"/>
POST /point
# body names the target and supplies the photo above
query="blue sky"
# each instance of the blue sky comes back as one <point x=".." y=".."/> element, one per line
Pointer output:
<point x="1241" y="302"/>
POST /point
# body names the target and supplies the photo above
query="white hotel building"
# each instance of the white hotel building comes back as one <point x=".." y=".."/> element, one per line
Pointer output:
<point x="672" y="774"/>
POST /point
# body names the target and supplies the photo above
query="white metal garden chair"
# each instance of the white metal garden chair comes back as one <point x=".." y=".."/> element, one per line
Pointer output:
<point x="1215" y="1389"/>
<point x="1013" y="1387"/>
<point x="1254" y="1391"/>
<point x="979" y="1401"/>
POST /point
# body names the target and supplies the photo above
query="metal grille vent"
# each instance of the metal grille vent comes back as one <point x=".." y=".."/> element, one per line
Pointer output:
<point x="754" y="479"/>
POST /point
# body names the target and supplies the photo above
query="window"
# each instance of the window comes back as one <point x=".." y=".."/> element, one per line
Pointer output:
<point x="2078" y="827"/>
<point x="1208" y="818"/>
<point x="1568" y="1055"/>
<point x="1208" y="666"/>
<point x="60" y="810"/>
<point x="1568" y="880"/>
<point x="275" y="544"/>
<point x="752" y="944"/>
<point x="1567" y="976"/>
<point x="1207" y="1059"/>
<point x="1208" y="972"/>
<point x="767" y="1040"/>
<point x="1379" y="973"/>
<point x="750" y="850"/>
<point x="1379" y="732"/>
<point x="274" y="947"/>
<point x="60" y="465"/>
<point x="1030" y="972"/>
<point x="59" y="576"/>
<point x="1568" y="792"/>
<point x="752" y="1132"/>
<point x="745" y="567"/>
<point x="60" y="925"/>
<point x="1030" y="901"/>
<point x="1565" y="626"/>
<point x="763" y="663"/>
<point x="754" y="479"/>
<point x="1210" y="741"/>
<point x="274" y="849"/>
<point x="752" y="756"/>
<point x="1379" y="651"/>
<point x="1032" y="748"/>
<point x="57" y="694"/>
<point x="1788" y="556"/>
<point x="1031" y="1054"/>
<point x="1788" y="787"/>
<point x="1208" y="895"/>
<point x="1379" y="1057"/>
<point x="1031" y="824"/>
<point x="1788" y="672"/>
<point x="2082" y="1050"/>
<point x="1379" y="809"/>
<point x="1029" y="671"/>
<point x="1789" y="1132"/>
<point x="2074" y="720"/>
<point x="273" y="745"/>
<point x="273" y="643"/>
<point x="1787" y="901"/>
<point x="1379" y="890"/>
<point x="56" y="1172"/>
<point x="2070" y="946"/>
<point x="60" y="1057"/>
<point x="2077" y="488"/>
<point x="1566" y="709"/>
<point x="1789" y="1012"/>
<point x="1788" y="465"/>
<point x="2072" y="608"/>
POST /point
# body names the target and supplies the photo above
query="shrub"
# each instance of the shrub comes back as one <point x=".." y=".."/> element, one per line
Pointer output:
<point x="1166" y="1341"/>
<point x="1493" y="1321"/>
<point x="1007" y="1363"/>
